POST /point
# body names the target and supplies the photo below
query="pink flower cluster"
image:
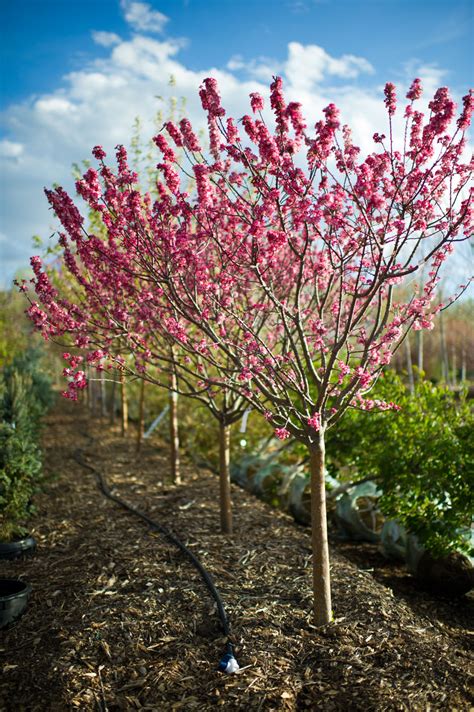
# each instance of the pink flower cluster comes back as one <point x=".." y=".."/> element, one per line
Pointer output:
<point x="315" y="421"/>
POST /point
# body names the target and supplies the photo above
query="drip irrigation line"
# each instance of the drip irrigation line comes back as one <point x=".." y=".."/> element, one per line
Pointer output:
<point x="228" y="663"/>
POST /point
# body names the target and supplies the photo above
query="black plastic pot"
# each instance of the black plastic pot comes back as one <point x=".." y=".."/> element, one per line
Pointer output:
<point x="17" y="548"/>
<point x="13" y="599"/>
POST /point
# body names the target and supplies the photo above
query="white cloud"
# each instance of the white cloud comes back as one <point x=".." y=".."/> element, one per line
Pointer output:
<point x="105" y="39"/>
<point x="235" y="63"/>
<point x="261" y="68"/>
<point x="54" y="105"/>
<point x="142" y="18"/>
<point x="10" y="149"/>
<point x="307" y="66"/>
<point x="431" y="75"/>
<point x="45" y="135"/>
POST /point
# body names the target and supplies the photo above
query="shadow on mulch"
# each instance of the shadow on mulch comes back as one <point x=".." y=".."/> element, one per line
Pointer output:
<point x="456" y="613"/>
<point x="119" y="620"/>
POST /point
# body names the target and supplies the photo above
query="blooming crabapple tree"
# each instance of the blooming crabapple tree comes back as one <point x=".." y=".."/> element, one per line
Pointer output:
<point x="289" y="257"/>
<point x="326" y="249"/>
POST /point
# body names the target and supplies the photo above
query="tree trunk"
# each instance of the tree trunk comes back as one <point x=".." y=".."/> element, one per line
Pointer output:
<point x="454" y="380"/>
<point x="174" y="432"/>
<point x="88" y="389"/>
<point x="411" y="380"/>
<point x="224" y="478"/>
<point x="103" y="403"/>
<point x="94" y="397"/>
<point x="419" y="343"/>
<point x="141" y="416"/>
<point x="463" y="366"/>
<point x="112" y="402"/>
<point x="124" y="404"/>
<point x="444" y="350"/>
<point x="319" y="536"/>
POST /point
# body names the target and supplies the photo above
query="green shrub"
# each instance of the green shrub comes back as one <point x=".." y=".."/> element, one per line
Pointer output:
<point x="41" y="396"/>
<point x="24" y="396"/>
<point x="422" y="458"/>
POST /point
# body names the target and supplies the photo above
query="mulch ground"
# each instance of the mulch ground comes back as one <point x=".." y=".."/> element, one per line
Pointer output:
<point x="119" y="620"/>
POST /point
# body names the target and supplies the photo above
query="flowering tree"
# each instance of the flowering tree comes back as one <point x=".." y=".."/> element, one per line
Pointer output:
<point x="287" y="259"/>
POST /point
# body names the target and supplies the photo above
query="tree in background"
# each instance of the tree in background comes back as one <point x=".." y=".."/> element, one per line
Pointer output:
<point x="446" y="354"/>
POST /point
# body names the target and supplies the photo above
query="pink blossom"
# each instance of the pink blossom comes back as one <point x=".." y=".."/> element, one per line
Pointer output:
<point x="210" y="98"/>
<point x="250" y="127"/>
<point x="282" y="433"/>
<point x="276" y="238"/>
<point x="99" y="153"/>
<point x="277" y="102"/>
<point x="171" y="177"/>
<point x="175" y="133"/>
<point x="204" y="187"/>
<point x="232" y="131"/>
<point x="415" y="90"/>
<point x="190" y="139"/>
<point x="164" y="147"/>
<point x="390" y="98"/>
<point x="464" y="120"/>
<point x="315" y="421"/>
<point x="344" y="370"/>
<point x="256" y="102"/>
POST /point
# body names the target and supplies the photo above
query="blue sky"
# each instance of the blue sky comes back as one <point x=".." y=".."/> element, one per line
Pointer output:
<point x="75" y="73"/>
<point x="44" y="39"/>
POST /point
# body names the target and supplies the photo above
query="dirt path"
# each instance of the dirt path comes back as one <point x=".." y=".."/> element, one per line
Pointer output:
<point x="120" y="621"/>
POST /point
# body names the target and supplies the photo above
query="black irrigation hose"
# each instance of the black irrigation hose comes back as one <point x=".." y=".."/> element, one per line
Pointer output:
<point x="228" y="662"/>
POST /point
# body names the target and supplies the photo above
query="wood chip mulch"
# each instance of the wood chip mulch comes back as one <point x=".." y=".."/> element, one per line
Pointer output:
<point x="119" y="620"/>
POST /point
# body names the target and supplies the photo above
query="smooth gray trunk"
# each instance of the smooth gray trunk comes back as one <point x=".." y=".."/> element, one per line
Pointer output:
<point x="454" y="365"/>
<point x="124" y="405"/>
<point x="141" y="417"/>
<point x="103" y="403"/>
<point x="319" y="537"/>
<point x="444" y="350"/>
<point x="419" y="344"/>
<point x="174" y="431"/>
<point x="112" y="402"/>
<point x="224" y="478"/>
<point x="411" y="380"/>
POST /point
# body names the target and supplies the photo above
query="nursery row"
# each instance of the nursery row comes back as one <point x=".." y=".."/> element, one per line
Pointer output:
<point x="119" y="619"/>
<point x="275" y="269"/>
<point x="403" y="479"/>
